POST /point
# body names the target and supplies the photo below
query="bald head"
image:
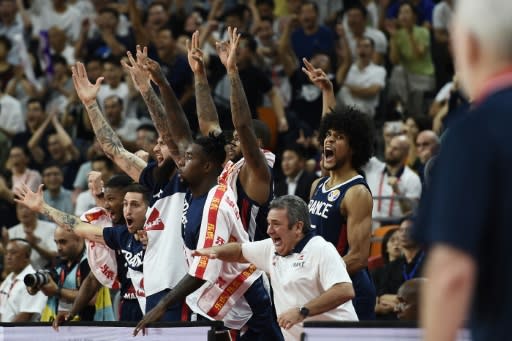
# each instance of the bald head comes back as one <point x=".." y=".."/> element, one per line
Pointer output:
<point x="69" y="245"/>
<point x="408" y="298"/>
<point x="481" y="41"/>
<point x="427" y="144"/>
<point x="397" y="151"/>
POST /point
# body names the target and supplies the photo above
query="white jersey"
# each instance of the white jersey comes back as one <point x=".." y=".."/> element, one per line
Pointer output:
<point x="253" y="216"/>
<point x="221" y="297"/>
<point x="312" y="268"/>
<point x="164" y="262"/>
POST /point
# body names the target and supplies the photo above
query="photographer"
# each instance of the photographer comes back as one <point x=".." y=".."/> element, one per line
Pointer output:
<point x="61" y="284"/>
<point x="16" y="305"/>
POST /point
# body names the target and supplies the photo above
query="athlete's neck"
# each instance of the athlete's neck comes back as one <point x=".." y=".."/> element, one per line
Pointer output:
<point x="204" y="186"/>
<point x="339" y="176"/>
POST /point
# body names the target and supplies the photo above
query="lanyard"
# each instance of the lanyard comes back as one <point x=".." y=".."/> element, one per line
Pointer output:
<point x="392" y="200"/>
<point x="410" y="275"/>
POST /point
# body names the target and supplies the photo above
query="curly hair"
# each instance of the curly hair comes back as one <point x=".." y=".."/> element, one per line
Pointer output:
<point x="213" y="147"/>
<point x="358" y="128"/>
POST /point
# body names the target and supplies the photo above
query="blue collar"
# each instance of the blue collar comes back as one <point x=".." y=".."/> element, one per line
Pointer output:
<point x="302" y="243"/>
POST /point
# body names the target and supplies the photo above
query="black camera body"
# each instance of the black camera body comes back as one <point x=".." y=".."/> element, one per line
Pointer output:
<point x="38" y="279"/>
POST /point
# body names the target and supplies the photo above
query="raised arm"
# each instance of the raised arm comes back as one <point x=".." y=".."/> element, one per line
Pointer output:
<point x="206" y="111"/>
<point x="108" y="139"/>
<point x="65" y="139"/>
<point x="33" y="144"/>
<point x="230" y="252"/>
<point x="165" y="119"/>
<point x="318" y="77"/>
<point x="357" y="205"/>
<point x="36" y="203"/>
<point x="255" y="174"/>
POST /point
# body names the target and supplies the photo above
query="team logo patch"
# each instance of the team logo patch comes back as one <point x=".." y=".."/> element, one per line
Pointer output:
<point x="333" y="195"/>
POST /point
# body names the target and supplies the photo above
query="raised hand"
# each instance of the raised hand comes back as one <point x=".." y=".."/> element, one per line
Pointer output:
<point x="227" y="49"/>
<point x="317" y="76"/>
<point x="194" y="54"/>
<point x="139" y="75"/>
<point x="85" y="90"/>
<point x="95" y="183"/>
<point x="24" y="195"/>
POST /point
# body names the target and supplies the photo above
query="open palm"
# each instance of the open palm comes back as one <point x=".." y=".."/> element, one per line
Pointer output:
<point x="85" y="90"/>
<point x="317" y="76"/>
<point x="139" y="75"/>
<point x="25" y="196"/>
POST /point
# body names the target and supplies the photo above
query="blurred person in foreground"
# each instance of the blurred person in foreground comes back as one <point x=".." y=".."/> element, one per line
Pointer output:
<point x="469" y="231"/>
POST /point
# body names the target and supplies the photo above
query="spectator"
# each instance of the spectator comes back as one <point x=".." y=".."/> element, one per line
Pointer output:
<point x="391" y="246"/>
<point x="124" y="126"/>
<point x="364" y="81"/>
<point x="7" y="69"/>
<point x="11" y="117"/>
<point x="395" y="187"/>
<point x="11" y="23"/>
<point x="62" y="287"/>
<point x="62" y="14"/>
<point x="18" y="164"/>
<point x="146" y="138"/>
<point x="408" y="297"/>
<point x="424" y="8"/>
<point x="38" y="234"/>
<point x="60" y="46"/>
<point x="297" y="180"/>
<point x="357" y="19"/>
<point x="325" y="295"/>
<point x="16" y="304"/>
<point x="427" y="145"/>
<point x="413" y="125"/>
<point x="413" y="74"/>
<point x="59" y="87"/>
<point x="395" y="273"/>
<point x="114" y="83"/>
<point x="310" y="36"/>
<point x="54" y="193"/>
<point x="441" y="53"/>
<point x="85" y="200"/>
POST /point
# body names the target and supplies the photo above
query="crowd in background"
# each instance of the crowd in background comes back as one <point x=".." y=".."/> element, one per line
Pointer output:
<point x="390" y="59"/>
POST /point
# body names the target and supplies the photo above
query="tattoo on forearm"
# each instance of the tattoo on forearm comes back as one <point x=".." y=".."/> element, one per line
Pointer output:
<point x="206" y="110"/>
<point x="239" y="105"/>
<point x="110" y="142"/>
<point x="61" y="218"/>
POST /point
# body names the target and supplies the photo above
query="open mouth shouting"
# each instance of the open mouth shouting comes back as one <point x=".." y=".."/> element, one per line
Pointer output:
<point x="329" y="154"/>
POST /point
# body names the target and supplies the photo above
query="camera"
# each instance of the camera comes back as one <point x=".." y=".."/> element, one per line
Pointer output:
<point x="37" y="279"/>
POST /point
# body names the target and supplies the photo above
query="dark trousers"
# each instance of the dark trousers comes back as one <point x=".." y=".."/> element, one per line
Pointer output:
<point x="173" y="313"/>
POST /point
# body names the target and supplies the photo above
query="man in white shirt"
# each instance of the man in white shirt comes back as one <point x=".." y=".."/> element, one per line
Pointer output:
<point x="364" y="81"/>
<point x="39" y="235"/>
<point x="16" y="304"/>
<point x="395" y="186"/>
<point x="308" y="276"/>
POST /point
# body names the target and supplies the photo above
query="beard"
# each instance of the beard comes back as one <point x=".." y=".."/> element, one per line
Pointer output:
<point x="392" y="162"/>
<point x="163" y="173"/>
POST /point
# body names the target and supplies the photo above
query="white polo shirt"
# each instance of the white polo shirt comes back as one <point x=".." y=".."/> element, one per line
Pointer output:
<point x="301" y="277"/>
<point x="409" y="185"/>
<point x="15" y="299"/>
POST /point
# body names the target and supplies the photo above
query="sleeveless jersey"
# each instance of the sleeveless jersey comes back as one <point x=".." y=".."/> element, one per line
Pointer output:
<point x="253" y="216"/>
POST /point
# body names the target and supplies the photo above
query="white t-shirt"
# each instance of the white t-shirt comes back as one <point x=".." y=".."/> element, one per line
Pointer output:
<point x="15" y="299"/>
<point x="380" y="40"/>
<point x="369" y="76"/>
<point x="128" y="130"/>
<point x="121" y="91"/>
<point x="221" y="297"/>
<point x="442" y="16"/>
<point x="69" y="21"/>
<point x="45" y="231"/>
<point x="301" y="277"/>
<point x="409" y="186"/>
<point x="84" y="202"/>
<point x="11" y="117"/>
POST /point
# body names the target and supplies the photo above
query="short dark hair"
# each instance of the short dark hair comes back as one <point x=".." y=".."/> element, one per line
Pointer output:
<point x="372" y="42"/>
<point x="51" y="164"/>
<point x="119" y="181"/>
<point x="358" y="6"/>
<point x="271" y="3"/>
<point x="297" y="149"/>
<point x="148" y="127"/>
<point x="262" y="132"/>
<point x="251" y="42"/>
<point x="384" y="250"/>
<point x="314" y="4"/>
<point x="110" y="10"/>
<point x="138" y="188"/>
<point x="36" y="100"/>
<point x="414" y="9"/>
<point x="213" y="147"/>
<point x="103" y="158"/>
<point x="358" y="128"/>
<point x="58" y="59"/>
<point x="296" y="210"/>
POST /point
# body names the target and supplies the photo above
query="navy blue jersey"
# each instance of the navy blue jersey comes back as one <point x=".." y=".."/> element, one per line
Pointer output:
<point x="118" y="238"/>
<point x="324" y="211"/>
<point x="253" y="216"/>
<point x="160" y="189"/>
<point x="327" y="220"/>
<point x="191" y="219"/>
